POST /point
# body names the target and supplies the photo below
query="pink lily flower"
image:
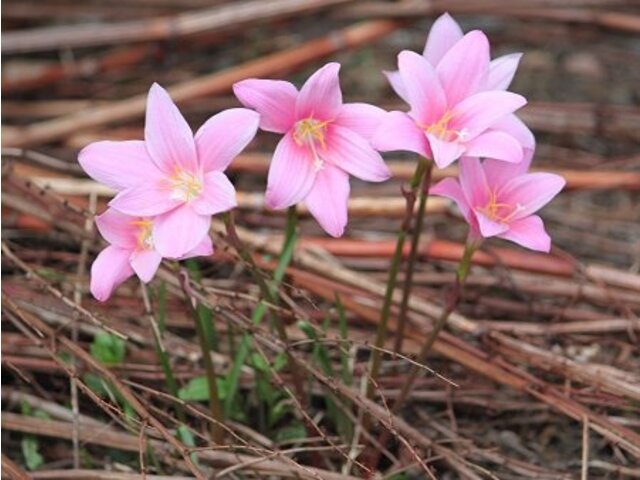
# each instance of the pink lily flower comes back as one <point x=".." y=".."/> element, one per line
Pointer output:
<point x="325" y="141"/>
<point x="499" y="199"/>
<point x="456" y="106"/>
<point x="131" y="250"/>
<point x="171" y="174"/>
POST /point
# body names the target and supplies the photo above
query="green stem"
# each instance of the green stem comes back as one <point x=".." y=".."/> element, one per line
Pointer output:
<point x="215" y="406"/>
<point x="451" y="303"/>
<point x="381" y="333"/>
<point x="413" y="257"/>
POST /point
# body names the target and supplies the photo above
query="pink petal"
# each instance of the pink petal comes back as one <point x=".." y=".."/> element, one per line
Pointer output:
<point x="145" y="200"/>
<point x="502" y="70"/>
<point x="118" y="229"/>
<point x="291" y="174"/>
<point x="328" y="200"/>
<point x="398" y="131"/>
<point x="443" y="35"/>
<point x="118" y="165"/>
<point x="168" y="137"/>
<point x="450" y="188"/>
<point x="499" y="173"/>
<point x="530" y="233"/>
<point x="426" y="96"/>
<point x="320" y="97"/>
<point x="203" y="249"/>
<point x="464" y="68"/>
<point x="109" y="270"/>
<point x="395" y="80"/>
<point x="145" y="263"/>
<point x="444" y="153"/>
<point x="353" y="154"/>
<point x="179" y="231"/>
<point x="531" y="191"/>
<point x="515" y="127"/>
<point x="362" y="118"/>
<point x="489" y="228"/>
<point x="218" y="195"/>
<point x="474" y="182"/>
<point x="495" y="144"/>
<point x="274" y="100"/>
<point x="224" y="136"/>
<point x="477" y="113"/>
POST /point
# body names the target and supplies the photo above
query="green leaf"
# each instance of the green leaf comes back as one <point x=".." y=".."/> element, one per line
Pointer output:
<point x="32" y="458"/>
<point x="186" y="436"/>
<point x="197" y="389"/>
<point x="162" y="307"/>
<point x="108" y="349"/>
<point x="278" y="412"/>
<point x="295" y="431"/>
<point x="96" y="384"/>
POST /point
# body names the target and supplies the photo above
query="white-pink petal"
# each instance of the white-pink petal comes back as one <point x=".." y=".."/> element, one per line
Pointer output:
<point x="320" y="97"/>
<point x="362" y="118"/>
<point x="426" y="96"/>
<point x="224" y="136"/>
<point x="179" y="231"/>
<point x="464" y="68"/>
<point x="203" y="249"/>
<point x="328" y="200"/>
<point x="291" y="174"/>
<point x="515" y="127"/>
<point x="444" y="34"/>
<point x="502" y="70"/>
<point x="481" y="111"/>
<point x="450" y="188"/>
<point x="398" y="131"/>
<point x="167" y="134"/>
<point x="444" y="153"/>
<point x="145" y="263"/>
<point x="110" y="268"/>
<point x="531" y="192"/>
<point x="274" y="100"/>
<point x="118" y="165"/>
<point x="497" y="145"/>
<point x="395" y="80"/>
<point x="117" y="228"/>
<point x="218" y="195"/>
<point x="530" y="233"/>
<point x="352" y="153"/>
<point x="474" y="182"/>
<point x="489" y="228"/>
<point x="146" y="199"/>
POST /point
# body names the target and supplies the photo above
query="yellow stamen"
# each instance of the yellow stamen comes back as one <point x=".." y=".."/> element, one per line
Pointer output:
<point x="185" y="186"/>
<point x="145" y="227"/>
<point x="441" y="129"/>
<point x="499" y="212"/>
<point x="308" y="132"/>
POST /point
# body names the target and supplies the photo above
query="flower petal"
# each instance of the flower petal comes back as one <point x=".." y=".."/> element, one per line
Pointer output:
<point x="224" y="136"/>
<point x="398" y="131"/>
<point x="109" y="270"/>
<point x="444" y="153"/>
<point x="464" y="68"/>
<point x="530" y="233"/>
<point x="203" y="249"/>
<point x="474" y="182"/>
<point x="274" y="100"/>
<point x="489" y="228"/>
<point x="320" y="97"/>
<point x="117" y="228"/>
<point x="145" y="263"/>
<point x="328" y="200"/>
<point x="362" y="118"/>
<point x="515" y="127"/>
<point x="497" y="145"/>
<point x="477" y="113"/>
<point x="500" y="173"/>
<point x="443" y="35"/>
<point x="353" y="154"/>
<point x="395" y="80"/>
<point x="426" y="96"/>
<point x="291" y="174"/>
<point x="145" y="200"/>
<point x="450" y="188"/>
<point x="179" y="231"/>
<point x="531" y="192"/>
<point x="168" y="137"/>
<point x="502" y="70"/>
<point x="218" y="195"/>
<point x="118" y="165"/>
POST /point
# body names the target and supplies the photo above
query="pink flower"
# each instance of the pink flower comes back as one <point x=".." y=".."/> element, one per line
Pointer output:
<point x="171" y="174"/>
<point x="324" y="142"/>
<point x="458" y="101"/>
<point x="131" y="250"/>
<point x="499" y="199"/>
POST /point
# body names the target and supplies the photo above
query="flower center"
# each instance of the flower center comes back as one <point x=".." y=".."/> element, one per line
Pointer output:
<point x="185" y="186"/>
<point x="499" y="212"/>
<point x="145" y="239"/>
<point x="443" y="131"/>
<point x="312" y="132"/>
